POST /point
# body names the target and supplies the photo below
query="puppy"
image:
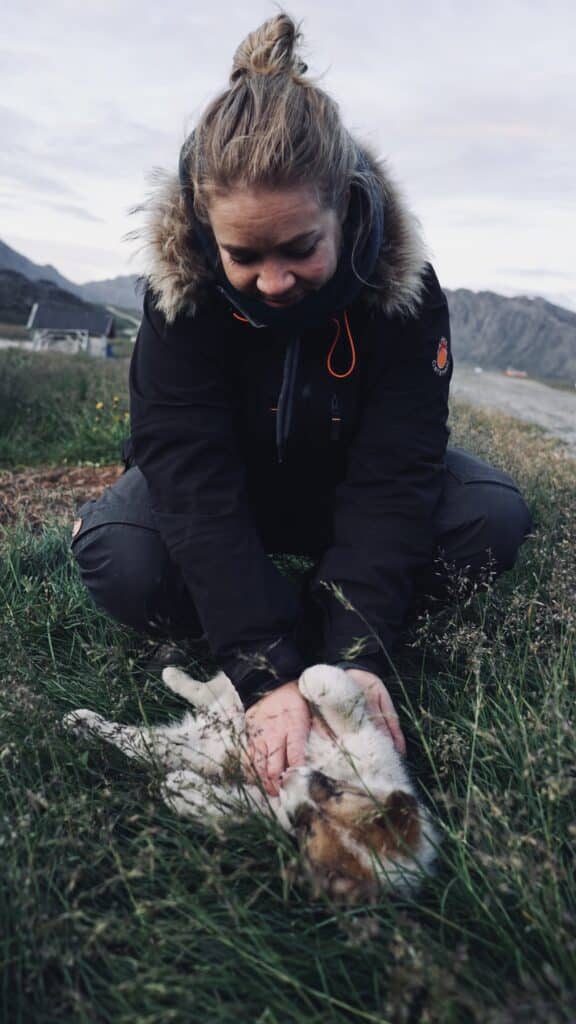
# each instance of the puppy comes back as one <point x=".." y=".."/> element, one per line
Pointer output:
<point x="352" y="807"/>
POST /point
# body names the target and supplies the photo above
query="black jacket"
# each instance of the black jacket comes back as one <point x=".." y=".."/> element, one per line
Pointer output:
<point x="361" y="471"/>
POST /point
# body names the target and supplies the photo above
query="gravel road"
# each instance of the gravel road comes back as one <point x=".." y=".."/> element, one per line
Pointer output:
<point x="528" y="400"/>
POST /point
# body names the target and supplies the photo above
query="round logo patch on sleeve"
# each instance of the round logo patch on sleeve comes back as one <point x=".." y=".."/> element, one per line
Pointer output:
<point x="441" y="363"/>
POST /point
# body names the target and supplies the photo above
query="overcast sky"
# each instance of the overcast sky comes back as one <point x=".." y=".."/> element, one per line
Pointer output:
<point x="472" y="105"/>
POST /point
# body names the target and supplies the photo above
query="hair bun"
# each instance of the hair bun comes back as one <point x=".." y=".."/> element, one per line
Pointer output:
<point x="269" y="50"/>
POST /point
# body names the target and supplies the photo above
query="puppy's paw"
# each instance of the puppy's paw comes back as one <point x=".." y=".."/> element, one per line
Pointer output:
<point x="217" y="692"/>
<point x="327" y="684"/>
<point x="82" y="721"/>
<point x="177" y="680"/>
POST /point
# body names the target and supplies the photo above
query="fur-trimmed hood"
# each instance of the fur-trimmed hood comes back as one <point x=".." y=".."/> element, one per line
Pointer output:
<point x="179" y="276"/>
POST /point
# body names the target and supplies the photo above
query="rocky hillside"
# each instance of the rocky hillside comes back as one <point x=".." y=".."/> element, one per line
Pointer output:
<point x="12" y="260"/>
<point x="529" y="334"/>
<point x="18" y="294"/>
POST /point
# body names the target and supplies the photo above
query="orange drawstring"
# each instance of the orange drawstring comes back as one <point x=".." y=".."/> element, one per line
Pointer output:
<point x="341" y="376"/>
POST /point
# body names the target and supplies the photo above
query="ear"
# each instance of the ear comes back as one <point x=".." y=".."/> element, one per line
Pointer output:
<point x="400" y="818"/>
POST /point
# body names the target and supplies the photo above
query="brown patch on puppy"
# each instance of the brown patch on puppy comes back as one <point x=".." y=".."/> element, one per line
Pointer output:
<point x="396" y="829"/>
<point x="325" y="847"/>
<point x="332" y="868"/>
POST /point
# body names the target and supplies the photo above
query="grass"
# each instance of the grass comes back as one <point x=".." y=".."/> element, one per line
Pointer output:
<point x="114" y="910"/>
<point x="61" y="409"/>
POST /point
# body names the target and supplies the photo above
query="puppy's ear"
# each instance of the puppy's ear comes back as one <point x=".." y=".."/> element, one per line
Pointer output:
<point x="399" y="818"/>
<point x="303" y="817"/>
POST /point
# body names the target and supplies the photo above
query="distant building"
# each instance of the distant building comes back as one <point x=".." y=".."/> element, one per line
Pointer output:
<point x="71" y="329"/>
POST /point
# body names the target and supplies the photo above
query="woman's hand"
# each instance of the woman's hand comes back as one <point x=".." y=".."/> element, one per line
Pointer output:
<point x="380" y="706"/>
<point x="277" y="727"/>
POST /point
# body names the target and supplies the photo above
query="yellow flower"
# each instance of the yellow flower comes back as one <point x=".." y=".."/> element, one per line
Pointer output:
<point x="99" y="405"/>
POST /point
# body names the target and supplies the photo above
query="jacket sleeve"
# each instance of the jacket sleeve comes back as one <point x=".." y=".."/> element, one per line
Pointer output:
<point x="183" y="434"/>
<point x="384" y="508"/>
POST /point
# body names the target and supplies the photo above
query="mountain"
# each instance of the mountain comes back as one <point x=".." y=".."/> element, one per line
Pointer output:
<point x="117" y="291"/>
<point x="12" y="260"/>
<point x="528" y="334"/>
<point x="18" y="294"/>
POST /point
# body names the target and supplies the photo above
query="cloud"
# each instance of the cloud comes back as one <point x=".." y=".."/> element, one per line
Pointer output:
<point x="21" y="163"/>
<point x="113" y="147"/>
<point x="73" y="211"/>
<point x="17" y="170"/>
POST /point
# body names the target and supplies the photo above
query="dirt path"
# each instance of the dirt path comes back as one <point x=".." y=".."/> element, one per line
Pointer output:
<point x="550" y="408"/>
<point x="42" y="494"/>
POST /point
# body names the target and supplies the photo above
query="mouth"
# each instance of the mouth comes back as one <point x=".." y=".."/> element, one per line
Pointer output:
<point x="282" y="303"/>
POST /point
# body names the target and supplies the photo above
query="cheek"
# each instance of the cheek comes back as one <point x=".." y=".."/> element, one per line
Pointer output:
<point x="321" y="266"/>
<point x="238" y="275"/>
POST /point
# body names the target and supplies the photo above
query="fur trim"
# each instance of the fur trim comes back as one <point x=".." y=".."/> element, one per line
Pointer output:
<point x="177" y="273"/>
<point x="400" y="266"/>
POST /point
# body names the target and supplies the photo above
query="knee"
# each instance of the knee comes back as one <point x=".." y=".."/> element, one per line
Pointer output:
<point x="506" y="524"/>
<point x="122" y="567"/>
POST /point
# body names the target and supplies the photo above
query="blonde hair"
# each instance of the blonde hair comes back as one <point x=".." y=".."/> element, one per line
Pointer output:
<point x="273" y="128"/>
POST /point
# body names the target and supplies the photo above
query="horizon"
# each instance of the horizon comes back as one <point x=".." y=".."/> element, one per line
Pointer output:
<point x="470" y="110"/>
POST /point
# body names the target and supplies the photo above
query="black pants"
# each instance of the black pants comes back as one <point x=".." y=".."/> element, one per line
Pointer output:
<point x="480" y="523"/>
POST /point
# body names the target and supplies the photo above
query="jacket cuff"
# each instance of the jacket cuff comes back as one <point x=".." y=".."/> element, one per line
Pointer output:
<point x="372" y="655"/>
<point x="263" y="669"/>
<point x="377" y="664"/>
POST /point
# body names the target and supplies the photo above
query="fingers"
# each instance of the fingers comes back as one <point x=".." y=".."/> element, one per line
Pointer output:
<point x="275" y="766"/>
<point x="393" y="722"/>
<point x="266" y="763"/>
<point x="296" y="744"/>
<point x="278" y="726"/>
<point x="254" y="759"/>
<point x="286" y="750"/>
<point x="383" y="712"/>
<point x="396" y="732"/>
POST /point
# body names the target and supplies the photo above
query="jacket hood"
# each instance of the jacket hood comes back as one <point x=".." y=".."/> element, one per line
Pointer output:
<point x="177" y="271"/>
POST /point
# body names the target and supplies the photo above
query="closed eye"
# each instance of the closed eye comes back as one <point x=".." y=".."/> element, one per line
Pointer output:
<point x="245" y="258"/>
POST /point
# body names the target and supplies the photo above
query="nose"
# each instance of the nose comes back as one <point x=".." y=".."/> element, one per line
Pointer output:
<point x="275" y="279"/>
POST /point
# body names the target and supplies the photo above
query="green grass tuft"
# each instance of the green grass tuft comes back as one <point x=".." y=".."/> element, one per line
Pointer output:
<point x="61" y="409"/>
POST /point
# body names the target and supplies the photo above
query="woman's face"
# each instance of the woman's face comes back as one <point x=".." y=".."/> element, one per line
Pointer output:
<point x="276" y="245"/>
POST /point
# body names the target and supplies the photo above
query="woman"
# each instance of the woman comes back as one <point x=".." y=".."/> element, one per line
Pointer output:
<point x="289" y="392"/>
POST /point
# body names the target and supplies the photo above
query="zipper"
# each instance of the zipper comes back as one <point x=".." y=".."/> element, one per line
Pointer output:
<point x="336" y="418"/>
<point x="286" y="397"/>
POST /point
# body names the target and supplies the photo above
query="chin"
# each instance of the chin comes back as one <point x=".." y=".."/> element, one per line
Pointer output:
<point x="281" y="305"/>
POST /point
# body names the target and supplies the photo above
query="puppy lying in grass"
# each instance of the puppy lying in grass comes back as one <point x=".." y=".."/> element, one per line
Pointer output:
<point x="352" y="807"/>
